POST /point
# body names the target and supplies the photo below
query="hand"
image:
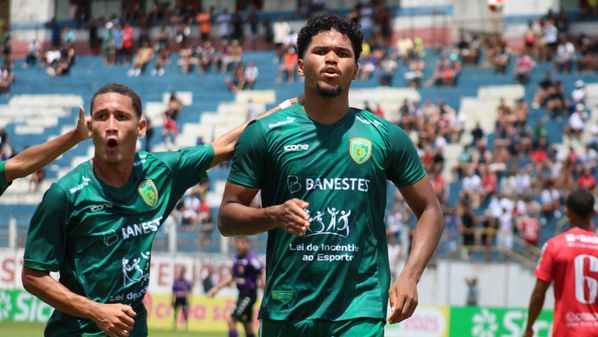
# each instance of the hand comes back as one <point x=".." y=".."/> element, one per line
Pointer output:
<point x="82" y="131"/>
<point x="212" y="292"/>
<point x="292" y="218"/>
<point x="403" y="299"/>
<point x="116" y="320"/>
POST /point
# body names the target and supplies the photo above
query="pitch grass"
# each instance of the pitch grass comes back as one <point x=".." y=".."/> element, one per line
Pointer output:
<point x="12" y="329"/>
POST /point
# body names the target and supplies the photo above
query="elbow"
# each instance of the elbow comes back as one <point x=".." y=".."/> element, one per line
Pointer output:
<point x="28" y="280"/>
<point x="223" y="225"/>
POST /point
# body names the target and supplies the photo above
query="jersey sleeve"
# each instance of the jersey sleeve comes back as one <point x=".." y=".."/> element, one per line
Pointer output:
<point x="3" y="181"/>
<point x="188" y="165"/>
<point x="544" y="267"/>
<point x="404" y="168"/>
<point x="249" y="160"/>
<point x="46" y="240"/>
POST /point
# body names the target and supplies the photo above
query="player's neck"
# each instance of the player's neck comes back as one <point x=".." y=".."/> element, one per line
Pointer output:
<point x="113" y="175"/>
<point x="325" y="110"/>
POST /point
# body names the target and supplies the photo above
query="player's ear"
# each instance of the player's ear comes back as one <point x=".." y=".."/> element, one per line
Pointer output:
<point x="356" y="70"/>
<point x="142" y="127"/>
<point x="300" y="67"/>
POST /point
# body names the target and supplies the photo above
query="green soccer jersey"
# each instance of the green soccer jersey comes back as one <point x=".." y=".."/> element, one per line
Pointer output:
<point x="99" y="237"/>
<point x="3" y="183"/>
<point x="339" y="270"/>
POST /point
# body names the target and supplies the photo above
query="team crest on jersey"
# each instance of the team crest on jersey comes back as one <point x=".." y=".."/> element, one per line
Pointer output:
<point x="360" y="150"/>
<point x="148" y="192"/>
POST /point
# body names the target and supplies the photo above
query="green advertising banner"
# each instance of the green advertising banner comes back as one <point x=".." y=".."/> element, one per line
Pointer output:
<point x="21" y="306"/>
<point x="496" y="322"/>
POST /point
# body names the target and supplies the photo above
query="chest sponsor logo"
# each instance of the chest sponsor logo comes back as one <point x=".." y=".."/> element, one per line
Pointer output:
<point x="84" y="182"/>
<point x="148" y="192"/>
<point x="360" y="150"/>
<point x="143" y="228"/>
<point x="333" y="222"/>
<point x="296" y="147"/>
<point x="295" y="184"/>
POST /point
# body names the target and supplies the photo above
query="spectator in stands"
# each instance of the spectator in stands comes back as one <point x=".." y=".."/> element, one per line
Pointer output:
<point x="542" y="91"/>
<point x="142" y="58"/>
<point x="237" y="81"/>
<point x="415" y="73"/>
<point x="551" y="35"/>
<point x="236" y="52"/>
<point x="472" y="187"/>
<point x="33" y="54"/>
<point x="467" y="227"/>
<point x="577" y="122"/>
<point x="108" y="44"/>
<point x="64" y="63"/>
<point x="501" y="59"/>
<point x="36" y="157"/>
<point x="6" y="79"/>
<point x="388" y="67"/>
<point x="224" y="21"/>
<point x="206" y="56"/>
<point x="281" y="30"/>
<point x="473" y="292"/>
<point x="149" y="134"/>
<point x="555" y="100"/>
<point x="550" y="198"/>
<point x="225" y="56"/>
<point x="187" y="58"/>
<point x="565" y="56"/>
<point x="205" y="26"/>
<point x="579" y="94"/>
<point x="128" y="43"/>
<point x="289" y="66"/>
<point x="161" y="62"/>
<point x="36" y="179"/>
<point x="68" y="36"/>
<point x="523" y="68"/>
<point x="251" y="75"/>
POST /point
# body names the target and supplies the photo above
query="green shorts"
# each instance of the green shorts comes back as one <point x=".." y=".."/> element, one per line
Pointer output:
<point x="361" y="327"/>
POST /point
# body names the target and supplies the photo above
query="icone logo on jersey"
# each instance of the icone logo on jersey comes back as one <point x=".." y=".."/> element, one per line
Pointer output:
<point x="98" y="208"/>
<point x="296" y="147"/>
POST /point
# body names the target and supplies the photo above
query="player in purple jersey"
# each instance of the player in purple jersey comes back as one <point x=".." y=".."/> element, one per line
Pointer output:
<point x="181" y="289"/>
<point x="247" y="274"/>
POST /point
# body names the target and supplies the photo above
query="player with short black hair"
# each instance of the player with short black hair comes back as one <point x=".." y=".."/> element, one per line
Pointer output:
<point x="96" y="225"/>
<point x="570" y="260"/>
<point x="322" y="168"/>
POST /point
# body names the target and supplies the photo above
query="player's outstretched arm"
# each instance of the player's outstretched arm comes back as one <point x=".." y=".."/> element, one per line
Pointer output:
<point x="238" y="218"/>
<point x="38" y="156"/>
<point x="225" y="144"/>
<point x="116" y="319"/>
<point x="423" y="202"/>
<point x="227" y="280"/>
<point x="535" y="306"/>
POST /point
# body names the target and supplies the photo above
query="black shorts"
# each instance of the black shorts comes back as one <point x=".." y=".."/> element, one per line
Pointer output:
<point x="181" y="302"/>
<point x="243" y="311"/>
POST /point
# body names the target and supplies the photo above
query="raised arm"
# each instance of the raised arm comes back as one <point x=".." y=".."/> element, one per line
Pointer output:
<point x="38" y="156"/>
<point x="114" y="319"/>
<point x="237" y="217"/>
<point x="225" y="144"/>
<point x="423" y="202"/>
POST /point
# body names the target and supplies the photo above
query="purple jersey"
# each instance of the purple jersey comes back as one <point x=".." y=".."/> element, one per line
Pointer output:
<point x="181" y="288"/>
<point x="246" y="270"/>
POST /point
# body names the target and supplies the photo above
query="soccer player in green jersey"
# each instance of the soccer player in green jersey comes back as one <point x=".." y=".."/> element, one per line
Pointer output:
<point x="96" y="225"/>
<point x="38" y="156"/>
<point x="322" y="168"/>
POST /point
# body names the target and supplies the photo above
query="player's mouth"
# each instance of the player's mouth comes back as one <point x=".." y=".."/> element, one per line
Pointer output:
<point x="331" y="72"/>
<point x="111" y="144"/>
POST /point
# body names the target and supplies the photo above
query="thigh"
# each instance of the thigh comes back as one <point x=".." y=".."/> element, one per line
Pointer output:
<point x="362" y="327"/>
<point x="243" y="311"/>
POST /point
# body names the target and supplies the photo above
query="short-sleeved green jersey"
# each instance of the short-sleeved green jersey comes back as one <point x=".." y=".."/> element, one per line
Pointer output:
<point x="339" y="270"/>
<point x="99" y="237"/>
<point x="3" y="182"/>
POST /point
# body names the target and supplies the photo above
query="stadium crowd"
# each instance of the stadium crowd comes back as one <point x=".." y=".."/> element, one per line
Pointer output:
<point x="513" y="180"/>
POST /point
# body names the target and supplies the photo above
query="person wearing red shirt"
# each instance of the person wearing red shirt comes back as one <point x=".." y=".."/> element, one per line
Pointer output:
<point x="571" y="261"/>
<point x="586" y="179"/>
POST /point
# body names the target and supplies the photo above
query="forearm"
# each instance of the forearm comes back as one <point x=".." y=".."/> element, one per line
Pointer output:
<point x="43" y="286"/>
<point x="238" y="219"/>
<point x="535" y="306"/>
<point x="38" y="156"/>
<point x="425" y="240"/>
